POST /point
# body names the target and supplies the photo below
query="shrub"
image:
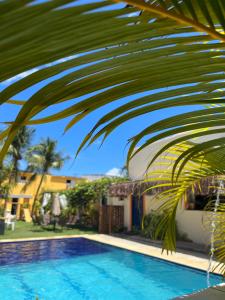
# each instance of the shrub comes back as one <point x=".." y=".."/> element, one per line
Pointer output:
<point x="150" y="223"/>
<point x="85" y="198"/>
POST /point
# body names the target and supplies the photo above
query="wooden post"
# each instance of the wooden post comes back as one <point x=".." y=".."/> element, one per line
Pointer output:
<point x="100" y="220"/>
<point x="100" y="216"/>
<point x="110" y="218"/>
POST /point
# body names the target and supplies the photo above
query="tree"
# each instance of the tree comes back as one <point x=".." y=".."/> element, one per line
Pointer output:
<point x="189" y="178"/>
<point x="169" y="49"/>
<point x="166" y="53"/>
<point x="4" y="184"/>
<point x="86" y="197"/>
<point x="42" y="158"/>
<point x="17" y="150"/>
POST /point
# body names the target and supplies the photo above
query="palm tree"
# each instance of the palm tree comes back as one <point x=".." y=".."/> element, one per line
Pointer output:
<point x="5" y="171"/>
<point x="42" y="158"/>
<point x="170" y="49"/>
<point x="189" y="178"/>
<point x="168" y="53"/>
<point x="17" y="150"/>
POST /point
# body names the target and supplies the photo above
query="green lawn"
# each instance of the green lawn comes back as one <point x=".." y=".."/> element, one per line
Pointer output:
<point x="28" y="230"/>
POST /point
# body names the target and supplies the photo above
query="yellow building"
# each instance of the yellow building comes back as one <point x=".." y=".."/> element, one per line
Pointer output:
<point x="22" y="194"/>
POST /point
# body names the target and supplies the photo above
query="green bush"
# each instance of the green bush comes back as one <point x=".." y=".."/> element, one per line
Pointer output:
<point x="150" y="223"/>
<point x="86" y="197"/>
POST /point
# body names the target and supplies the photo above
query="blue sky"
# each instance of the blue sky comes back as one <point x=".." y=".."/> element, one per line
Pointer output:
<point x="93" y="160"/>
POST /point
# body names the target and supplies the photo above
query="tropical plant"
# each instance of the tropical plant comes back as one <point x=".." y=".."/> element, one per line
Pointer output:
<point x="86" y="197"/>
<point x="150" y="224"/>
<point x="163" y="53"/>
<point x="42" y="158"/>
<point x="5" y="186"/>
<point x="17" y="150"/>
<point x="190" y="177"/>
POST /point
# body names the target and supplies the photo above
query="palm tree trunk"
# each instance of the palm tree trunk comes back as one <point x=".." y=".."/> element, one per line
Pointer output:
<point x="37" y="192"/>
<point x="12" y="177"/>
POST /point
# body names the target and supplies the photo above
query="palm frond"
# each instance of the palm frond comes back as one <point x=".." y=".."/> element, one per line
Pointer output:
<point x="191" y="176"/>
<point x="162" y="53"/>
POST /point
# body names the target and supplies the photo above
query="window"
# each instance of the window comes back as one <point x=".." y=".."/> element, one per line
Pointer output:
<point x="23" y="179"/>
<point x="199" y="202"/>
<point x="70" y="183"/>
<point x="14" y="206"/>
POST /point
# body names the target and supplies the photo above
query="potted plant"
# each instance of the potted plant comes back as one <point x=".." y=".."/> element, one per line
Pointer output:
<point x="2" y="221"/>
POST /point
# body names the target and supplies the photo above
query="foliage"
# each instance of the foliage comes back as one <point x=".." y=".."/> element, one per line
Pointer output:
<point x="41" y="159"/>
<point x="170" y="49"/>
<point x="218" y="231"/>
<point x="2" y="210"/>
<point x="81" y="195"/>
<point x="26" y="205"/>
<point x="90" y="192"/>
<point x="18" y="148"/>
<point x="4" y="175"/>
<point x="188" y="178"/>
<point x="86" y="197"/>
<point x="162" y="53"/>
<point x="150" y="223"/>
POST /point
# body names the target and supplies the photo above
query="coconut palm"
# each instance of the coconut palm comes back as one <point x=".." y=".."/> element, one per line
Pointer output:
<point x="163" y="53"/>
<point x="166" y="53"/>
<point x="5" y="171"/>
<point x="17" y="150"/>
<point x="42" y="158"/>
<point x="198" y="172"/>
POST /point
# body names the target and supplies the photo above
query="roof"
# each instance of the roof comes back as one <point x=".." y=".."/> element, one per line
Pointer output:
<point x="125" y="189"/>
<point x="52" y="175"/>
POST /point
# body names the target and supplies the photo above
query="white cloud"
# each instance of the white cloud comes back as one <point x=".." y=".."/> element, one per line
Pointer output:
<point x="114" y="172"/>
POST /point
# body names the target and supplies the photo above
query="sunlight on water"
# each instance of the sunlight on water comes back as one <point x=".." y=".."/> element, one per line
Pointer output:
<point x="83" y="269"/>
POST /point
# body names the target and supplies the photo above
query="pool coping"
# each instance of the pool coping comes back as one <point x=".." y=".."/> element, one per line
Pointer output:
<point x="187" y="260"/>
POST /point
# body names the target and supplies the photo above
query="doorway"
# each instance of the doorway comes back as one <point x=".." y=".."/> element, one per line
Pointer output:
<point x="14" y="206"/>
<point x="137" y="211"/>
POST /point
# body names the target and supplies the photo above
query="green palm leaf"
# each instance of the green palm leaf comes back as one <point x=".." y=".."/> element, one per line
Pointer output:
<point x="165" y="53"/>
<point x="190" y="179"/>
<point x="156" y="51"/>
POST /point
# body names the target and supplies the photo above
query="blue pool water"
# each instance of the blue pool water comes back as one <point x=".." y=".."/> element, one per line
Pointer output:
<point x="82" y="269"/>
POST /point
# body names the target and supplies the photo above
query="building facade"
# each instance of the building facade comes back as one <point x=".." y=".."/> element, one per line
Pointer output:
<point x="191" y="218"/>
<point x="22" y="194"/>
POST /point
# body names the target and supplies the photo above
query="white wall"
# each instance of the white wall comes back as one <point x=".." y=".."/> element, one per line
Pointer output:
<point x="191" y="223"/>
<point x="150" y="203"/>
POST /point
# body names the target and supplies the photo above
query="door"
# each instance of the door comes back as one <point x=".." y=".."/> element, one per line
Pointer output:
<point x="14" y="206"/>
<point x="137" y="211"/>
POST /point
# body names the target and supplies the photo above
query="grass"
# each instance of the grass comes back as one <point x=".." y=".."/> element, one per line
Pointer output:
<point x="28" y="230"/>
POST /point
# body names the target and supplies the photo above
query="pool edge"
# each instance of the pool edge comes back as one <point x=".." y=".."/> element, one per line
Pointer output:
<point x="179" y="258"/>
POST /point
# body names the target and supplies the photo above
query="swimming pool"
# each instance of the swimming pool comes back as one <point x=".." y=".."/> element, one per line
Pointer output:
<point x="78" y="268"/>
